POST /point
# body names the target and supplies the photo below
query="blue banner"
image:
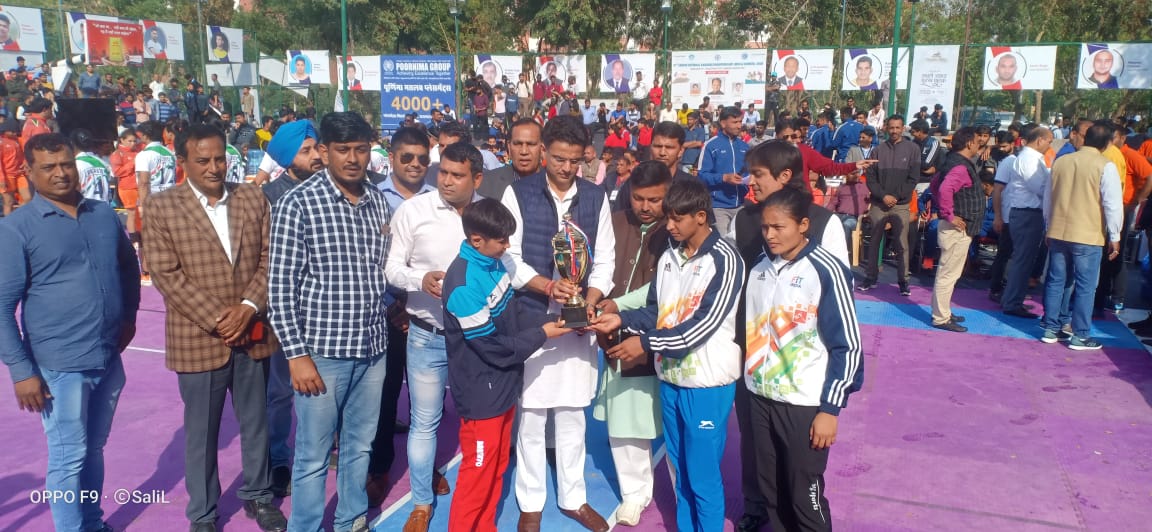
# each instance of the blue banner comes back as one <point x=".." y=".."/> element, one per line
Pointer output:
<point x="415" y="84"/>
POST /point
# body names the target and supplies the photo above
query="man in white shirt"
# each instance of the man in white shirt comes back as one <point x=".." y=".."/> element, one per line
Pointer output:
<point x="560" y="378"/>
<point x="668" y="114"/>
<point x="426" y="236"/>
<point x="640" y="92"/>
<point x="1023" y="199"/>
<point x="157" y="85"/>
<point x="751" y="116"/>
<point x="524" y="94"/>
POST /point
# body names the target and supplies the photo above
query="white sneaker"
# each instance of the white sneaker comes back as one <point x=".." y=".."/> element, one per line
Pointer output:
<point x="629" y="514"/>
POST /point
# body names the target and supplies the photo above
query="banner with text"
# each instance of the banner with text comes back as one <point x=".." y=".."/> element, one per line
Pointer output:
<point x="414" y="84"/>
<point x="934" y="77"/>
<point x="363" y="72"/>
<point x="1013" y="68"/>
<point x="77" y="26"/>
<point x="564" y="67"/>
<point x="618" y="70"/>
<point x="725" y="76"/>
<point x="799" y="70"/>
<point x="225" y="45"/>
<point x="117" y="43"/>
<point x="163" y="40"/>
<point x="1115" y="66"/>
<point x="495" y="68"/>
<point x="308" y="67"/>
<point x="869" y="68"/>
<point x="21" y="29"/>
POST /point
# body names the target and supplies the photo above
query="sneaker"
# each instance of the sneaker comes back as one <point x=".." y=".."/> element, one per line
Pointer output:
<point x="1050" y="337"/>
<point x="1080" y="343"/>
<point x="145" y="279"/>
<point x="866" y="286"/>
<point x="905" y="290"/>
<point x="629" y="514"/>
<point x="950" y="326"/>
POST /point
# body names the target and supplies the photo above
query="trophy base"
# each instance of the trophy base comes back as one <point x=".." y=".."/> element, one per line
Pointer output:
<point x="574" y="317"/>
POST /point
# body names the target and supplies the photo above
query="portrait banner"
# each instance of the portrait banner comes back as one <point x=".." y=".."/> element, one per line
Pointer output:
<point x="934" y="77"/>
<point x="1013" y="68"/>
<point x="21" y="29"/>
<point x="564" y="67"/>
<point x="114" y="43"/>
<point x="618" y="70"/>
<point x="725" y="76"/>
<point x="1115" y="66"/>
<point x="225" y="45"/>
<point x="308" y="67"/>
<point x="32" y="60"/>
<point x="362" y="71"/>
<point x="163" y="40"/>
<point x="799" y="70"/>
<point x="495" y="68"/>
<point x="868" y="69"/>
<point x="415" y="84"/>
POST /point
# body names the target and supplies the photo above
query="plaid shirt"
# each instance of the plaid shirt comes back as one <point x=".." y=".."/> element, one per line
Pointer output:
<point x="326" y="279"/>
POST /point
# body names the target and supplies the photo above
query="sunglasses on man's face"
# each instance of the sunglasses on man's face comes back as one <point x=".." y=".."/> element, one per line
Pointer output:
<point x="406" y="158"/>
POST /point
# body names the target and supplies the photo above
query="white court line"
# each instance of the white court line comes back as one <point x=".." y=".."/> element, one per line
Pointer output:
<point x="656" y="458"/>
<point x="396" y="506"/>
<point x="145" y="349"/>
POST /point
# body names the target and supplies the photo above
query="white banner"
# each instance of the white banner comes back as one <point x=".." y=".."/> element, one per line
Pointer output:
<point x="308" y="67"/>
<point x="566" y="66"/>
<point x="934" y="77"/>
<point x="870" y="68"/>
<point x="163" y="40"/>
<point x="77" y="27"/>
<point x="618" y="70"/>
<point x="21" y="29"/>
<point x="363" y="73"/>
<point x="1115" y="66"/>
<point x="495" y="68"/>
<point x="799" y="70"/>
<point x="1013" y="68"/>
<point x="233" y="74"/>
<point x="32" y="61"/>
<point x="738" y="74"/>
<point x="225" y="45"/>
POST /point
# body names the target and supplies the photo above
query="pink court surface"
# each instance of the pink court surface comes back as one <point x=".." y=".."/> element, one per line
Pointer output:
<point x="990" y="430"/>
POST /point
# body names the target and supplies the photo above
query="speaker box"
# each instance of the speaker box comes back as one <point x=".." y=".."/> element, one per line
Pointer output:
<point x="97" y="115"/>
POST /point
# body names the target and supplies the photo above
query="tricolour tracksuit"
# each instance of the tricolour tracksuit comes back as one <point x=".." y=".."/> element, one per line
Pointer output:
<point x="488" y="338"/>
<point x="803" y="358"/>
<point x="688" y="325"/>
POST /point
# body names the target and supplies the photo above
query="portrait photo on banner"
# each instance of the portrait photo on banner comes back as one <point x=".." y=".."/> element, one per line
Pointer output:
<point x="362" y="73"/>
<point x="863" y="70"/>
<point x="791" y="69"/>
<point x="618" y="70"/>
<point x="495" y="69"/>
<point x="571" y="70"/>
<point x="307" y="67"/>
<point x="225" y="45"/>
<point x="21" y="29"/>
<point x="163" y="40"/>
<point x="1115" y="66"/>
<point x="1014" y="68"/>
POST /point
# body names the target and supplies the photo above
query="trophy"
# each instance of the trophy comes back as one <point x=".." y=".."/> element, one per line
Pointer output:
<point x="572" y="258"/>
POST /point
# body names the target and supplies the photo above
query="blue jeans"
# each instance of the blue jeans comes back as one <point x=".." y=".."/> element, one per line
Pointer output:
<point x="279" y="408"/>
<point x="427" y="376"/>
<point x="1073" y="271"/>
<point x="350" y="404"/>
<point x="695" y="430"/>
<point x="77" y="421"/>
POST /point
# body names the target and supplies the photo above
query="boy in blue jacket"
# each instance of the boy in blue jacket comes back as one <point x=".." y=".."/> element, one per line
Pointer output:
<point x="488" y="339"/>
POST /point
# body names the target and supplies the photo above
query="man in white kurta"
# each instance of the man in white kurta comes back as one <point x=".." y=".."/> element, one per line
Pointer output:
<point x="562" y="375"/>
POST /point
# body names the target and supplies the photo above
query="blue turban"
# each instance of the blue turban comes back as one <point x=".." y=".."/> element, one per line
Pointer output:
<point x="285" y="144"/>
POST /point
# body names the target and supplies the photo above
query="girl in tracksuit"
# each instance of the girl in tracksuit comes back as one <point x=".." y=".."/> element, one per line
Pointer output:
<point x="803" y="359"/>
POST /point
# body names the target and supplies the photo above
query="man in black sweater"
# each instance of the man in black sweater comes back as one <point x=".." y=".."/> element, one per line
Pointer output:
<point x="891" y="183"/>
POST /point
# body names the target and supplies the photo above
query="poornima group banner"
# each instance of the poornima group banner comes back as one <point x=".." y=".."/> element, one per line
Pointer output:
<point x="799" y="70"/>
<point x="308" y="67"/>
<point x="725" y="76"/>
<point x="1115" y="66"/>
<point x="495" y="68"/>
<point x="869" y="68"/>
<point x="163" y="40"/>
<point x="618" y="70"/>
<point x="564" y="67"/>
<point x="415" y="84"/>
<point x="114" y="42"/>
<point x="934" y="77"/>
<point x="225" y="45"/>
<point x="1014" y="68"/>
<point x="21" y="29"/>
<point x="363" y="72"/>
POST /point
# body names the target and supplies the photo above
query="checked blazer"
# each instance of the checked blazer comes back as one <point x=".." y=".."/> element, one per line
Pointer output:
<point x="191" y="270"/>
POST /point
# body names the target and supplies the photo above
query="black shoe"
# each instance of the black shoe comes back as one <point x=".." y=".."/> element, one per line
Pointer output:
<point x="866" y="286"/>
<point x="1022" y="313"/>
<point x="1143" y="331"/>
<point x="750" y="523"/>
<point x="203" y="527"/>
<point x="904" y="290"/>
<point x="281" y="481"/>
<point x="956" y="318"/>
<point x="1142" y="324"/>
<point x="400" y="428"/>
<point x="269" y="518"/>
<point x="950" y="326"/>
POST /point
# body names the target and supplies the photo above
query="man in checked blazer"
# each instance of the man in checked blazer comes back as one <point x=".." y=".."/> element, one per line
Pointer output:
<point x="207" y="245"/>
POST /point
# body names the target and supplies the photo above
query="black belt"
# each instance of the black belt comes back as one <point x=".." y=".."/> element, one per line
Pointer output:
<point x="421" y="324"/>
<point x="1029" y="209"/>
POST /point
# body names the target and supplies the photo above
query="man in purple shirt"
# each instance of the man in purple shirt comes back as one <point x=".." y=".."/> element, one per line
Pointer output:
<point x="961" y="203"/>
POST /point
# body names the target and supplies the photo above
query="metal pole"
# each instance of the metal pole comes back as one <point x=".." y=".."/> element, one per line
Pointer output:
<point x="203" y="37"/>
<point x="895" y="58"/>
<point x="456" y="17"/>
<point x="63" y="29"/>
<point x="344" y="53"/>
<point x="911" y="53"/>
<point x="843" y="60"/>
<point x="963" y="65"/>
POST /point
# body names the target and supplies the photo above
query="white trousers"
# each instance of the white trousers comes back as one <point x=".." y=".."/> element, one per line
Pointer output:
<point x="532" y="463"/>
<point x="633" y="459"/>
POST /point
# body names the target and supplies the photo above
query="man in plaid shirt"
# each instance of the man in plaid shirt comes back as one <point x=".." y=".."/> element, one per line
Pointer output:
<point x="326" y="295"/>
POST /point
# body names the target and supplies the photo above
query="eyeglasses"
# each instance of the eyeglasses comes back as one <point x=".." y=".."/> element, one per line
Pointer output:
<point x="406" y="158"/>
<point x="794" y="136"/>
